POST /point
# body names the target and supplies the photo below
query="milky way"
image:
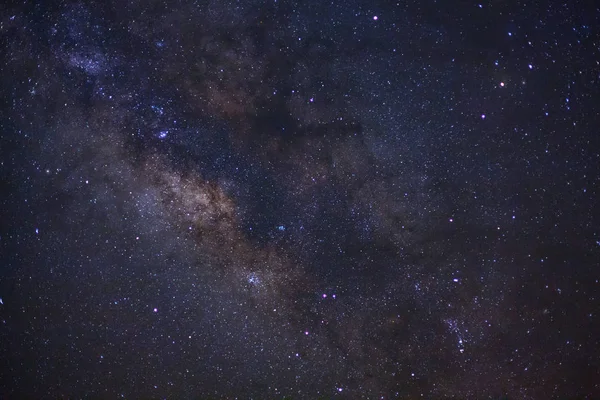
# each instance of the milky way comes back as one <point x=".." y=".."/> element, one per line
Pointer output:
<point x="299" y="200"/>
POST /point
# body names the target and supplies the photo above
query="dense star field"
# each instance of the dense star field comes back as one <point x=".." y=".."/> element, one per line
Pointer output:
<point x="301" y="200"/>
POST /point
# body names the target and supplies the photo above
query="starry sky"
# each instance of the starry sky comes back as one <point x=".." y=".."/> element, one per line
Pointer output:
<point x="299" y="200"/>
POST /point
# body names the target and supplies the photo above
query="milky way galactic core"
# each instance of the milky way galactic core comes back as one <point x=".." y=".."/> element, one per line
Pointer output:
<point x="299" y="200"/>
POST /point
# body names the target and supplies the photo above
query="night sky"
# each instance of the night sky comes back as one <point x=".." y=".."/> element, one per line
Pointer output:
<point x="299" y="199"/>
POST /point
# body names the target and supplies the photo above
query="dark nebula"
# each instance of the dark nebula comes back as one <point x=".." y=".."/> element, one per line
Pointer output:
<point x="299" y="200"/>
